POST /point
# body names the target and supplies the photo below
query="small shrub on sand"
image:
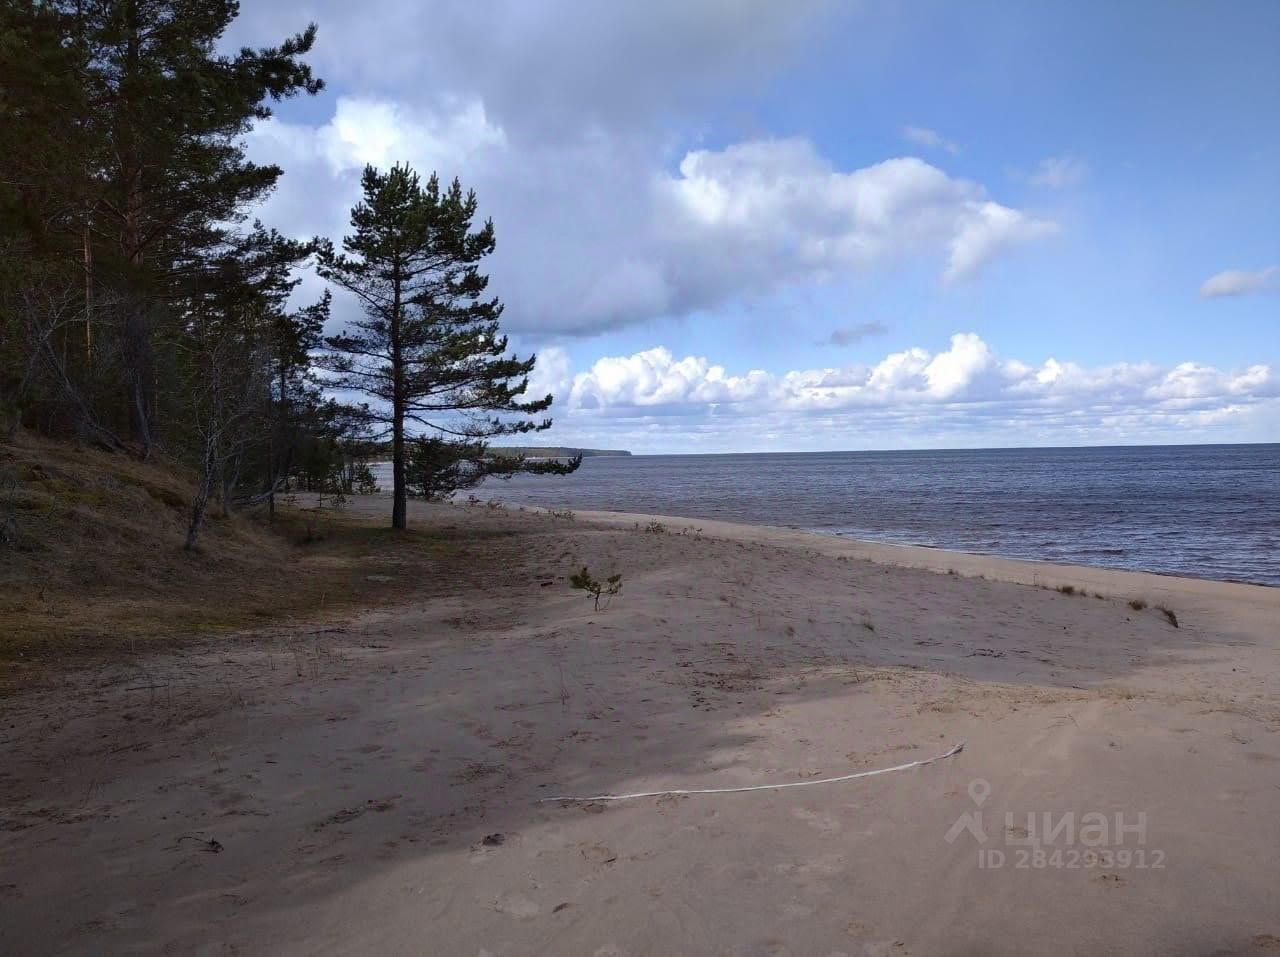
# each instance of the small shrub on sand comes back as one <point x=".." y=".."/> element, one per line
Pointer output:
<point x="1067" y="589"/>
<point x="655" y="528"/>
<point x="1137" y="604"/>
<point x="1168" y="614"/>
<point x="606" y="589"/>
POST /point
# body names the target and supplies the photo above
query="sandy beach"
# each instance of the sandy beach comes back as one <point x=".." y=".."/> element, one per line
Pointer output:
<point x="378" y="785"/>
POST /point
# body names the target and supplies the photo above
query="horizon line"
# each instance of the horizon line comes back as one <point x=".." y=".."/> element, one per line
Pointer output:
<point x="984" y="448"/>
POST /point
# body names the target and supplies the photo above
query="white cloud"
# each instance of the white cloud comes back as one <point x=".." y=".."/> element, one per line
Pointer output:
<point x="323" y="164"/>
<point x="593" y="233"/>
<point x="987" y="229"/>
<point x="371" y="131"/>
<point x="1059" y="172"/>
<point x="778" y="206"/>
<point x="1193" y="381"/>
<point x="930" y="139"/>
<point x="654" y="379"/>
<point x="952" y="372"/>
<point x="550" y="373"/>
<point x="1239" y="283"/>
<point x="966" y="383"/>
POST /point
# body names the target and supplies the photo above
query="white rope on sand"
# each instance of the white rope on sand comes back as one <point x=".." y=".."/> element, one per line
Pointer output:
<point x="758" y="787"/>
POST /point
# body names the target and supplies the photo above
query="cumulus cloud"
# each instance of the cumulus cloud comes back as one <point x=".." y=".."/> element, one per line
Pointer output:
<point x="986" y="229"/>
<point x="594" y="233"/>
<point x="930" y="139"/>
<point x="1240" y="283"/>
<point x="967" y="381"/>
<point x="852" y="335"/>
<point x="1059" y="172"/>
<point x="550" y="374"/>
<point x="574" y="142"/>
<point x="655" y="379"/>
<point x="779" y="205"/>
<point x="323" y="163"/>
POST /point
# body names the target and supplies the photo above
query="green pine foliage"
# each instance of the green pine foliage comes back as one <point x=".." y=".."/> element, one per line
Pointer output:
<point x="427" y="350"/>
<point x="596" y="590"/>
<point x="142" y="308"/>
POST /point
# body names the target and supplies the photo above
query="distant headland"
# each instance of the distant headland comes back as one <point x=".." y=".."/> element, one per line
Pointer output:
<point x="553" y="451"/>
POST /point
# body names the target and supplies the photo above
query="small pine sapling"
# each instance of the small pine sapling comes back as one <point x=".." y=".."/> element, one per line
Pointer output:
<point x="606" y="589"/>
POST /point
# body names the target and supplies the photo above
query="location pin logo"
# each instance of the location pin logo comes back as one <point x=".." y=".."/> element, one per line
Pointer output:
<point x="979" y="791"/>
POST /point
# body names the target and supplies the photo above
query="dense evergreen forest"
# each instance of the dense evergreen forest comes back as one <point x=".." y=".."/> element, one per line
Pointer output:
<point x="145" y="310"/>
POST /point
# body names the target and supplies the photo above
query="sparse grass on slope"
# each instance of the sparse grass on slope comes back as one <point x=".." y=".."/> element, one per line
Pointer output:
<point x="97" y="564"/>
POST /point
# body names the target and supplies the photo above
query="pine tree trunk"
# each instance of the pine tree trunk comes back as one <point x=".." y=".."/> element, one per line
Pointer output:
<point x="400" y="503"/>
<point x="399" y="494"/>
<point x="137" y="357"/>
<point x="137" y="334"/>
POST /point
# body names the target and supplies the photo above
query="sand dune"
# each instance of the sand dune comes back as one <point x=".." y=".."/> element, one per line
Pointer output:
<point x="374" y="788"/>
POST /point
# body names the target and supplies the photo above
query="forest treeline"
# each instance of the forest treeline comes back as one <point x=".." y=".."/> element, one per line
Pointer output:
<point x="144" y="309"/>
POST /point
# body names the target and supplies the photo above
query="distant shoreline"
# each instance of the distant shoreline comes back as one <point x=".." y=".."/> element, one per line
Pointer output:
<point x="554" y="451"/>
<point x="958" y="450"/>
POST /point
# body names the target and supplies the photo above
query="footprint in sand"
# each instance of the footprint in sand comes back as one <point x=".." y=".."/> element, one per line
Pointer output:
<point x="599" y="854"/>
<point x="516" y="905"/>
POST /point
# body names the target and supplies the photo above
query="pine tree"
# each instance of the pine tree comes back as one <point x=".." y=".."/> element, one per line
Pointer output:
<point x="166" y="177"/>
<point x="427" y="350"/>
<point x="131" y="295"/>
<point x="243" y="305"/>
<point x="42" y="186"/>
<point x="242" y="354"/>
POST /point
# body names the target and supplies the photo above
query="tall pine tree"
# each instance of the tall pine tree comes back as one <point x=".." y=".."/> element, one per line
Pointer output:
<point x="427" y="350"/>
<point x="167" y="179"/>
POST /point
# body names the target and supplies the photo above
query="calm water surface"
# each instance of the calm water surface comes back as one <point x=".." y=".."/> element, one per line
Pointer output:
<point x="1206" y="511"/>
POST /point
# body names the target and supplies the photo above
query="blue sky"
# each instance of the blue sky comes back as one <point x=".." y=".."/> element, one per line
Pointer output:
<point x="751" y="225"/>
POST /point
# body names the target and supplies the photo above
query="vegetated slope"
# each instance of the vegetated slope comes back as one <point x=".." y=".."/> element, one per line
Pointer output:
<point x="92" y="557"/>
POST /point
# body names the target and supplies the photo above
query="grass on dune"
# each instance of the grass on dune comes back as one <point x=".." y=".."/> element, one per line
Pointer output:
<point x="97" y="564"/>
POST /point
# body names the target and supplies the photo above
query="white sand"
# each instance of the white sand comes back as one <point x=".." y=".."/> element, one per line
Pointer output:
<point x="351" y="775"/>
